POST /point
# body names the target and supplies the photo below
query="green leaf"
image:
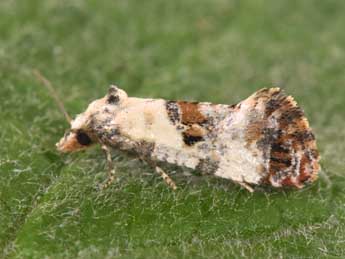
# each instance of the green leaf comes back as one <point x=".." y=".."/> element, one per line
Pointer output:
<point x="218" y="51"/>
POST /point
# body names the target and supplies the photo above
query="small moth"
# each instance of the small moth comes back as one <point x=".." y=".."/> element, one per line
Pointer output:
<point x="263" y="140"/>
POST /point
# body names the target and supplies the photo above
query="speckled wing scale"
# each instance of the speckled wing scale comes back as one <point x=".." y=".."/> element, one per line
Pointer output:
<point x="278" y="130"/>
<point x="263" y="140"/>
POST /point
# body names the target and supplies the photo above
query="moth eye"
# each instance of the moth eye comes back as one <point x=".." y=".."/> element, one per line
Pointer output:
<point x="83" y="138"/>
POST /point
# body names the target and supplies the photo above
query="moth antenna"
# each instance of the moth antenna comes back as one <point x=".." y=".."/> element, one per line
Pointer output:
<point x="52" y="92"/>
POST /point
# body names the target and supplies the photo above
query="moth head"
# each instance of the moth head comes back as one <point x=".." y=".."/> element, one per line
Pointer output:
<point x="82" y="133"/>
<point x="75" y="140"/>
<point x="80" y="136"/>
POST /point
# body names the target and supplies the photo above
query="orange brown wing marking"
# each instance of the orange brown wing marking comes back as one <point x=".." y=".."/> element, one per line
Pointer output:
<point x="254" y="131"/>
<point x="190" y="113"/>
<point x="188" y="118"/>
<point x="196" y="131"/>
<point x="193" y="134"/>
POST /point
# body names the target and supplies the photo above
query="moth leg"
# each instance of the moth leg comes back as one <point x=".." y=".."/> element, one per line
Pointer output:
<point x="170" y="182"/>
<point x="246" y="186"/>
<point x="111" y="168"/>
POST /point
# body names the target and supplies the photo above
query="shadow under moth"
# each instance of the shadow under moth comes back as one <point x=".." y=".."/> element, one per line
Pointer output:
<point x="263" y="140"/>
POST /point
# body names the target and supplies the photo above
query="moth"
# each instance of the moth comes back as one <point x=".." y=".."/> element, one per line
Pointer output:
<point x="263" y="140"/>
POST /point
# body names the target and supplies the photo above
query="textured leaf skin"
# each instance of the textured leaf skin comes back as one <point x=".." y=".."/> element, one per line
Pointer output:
<point x="217" y="51"/>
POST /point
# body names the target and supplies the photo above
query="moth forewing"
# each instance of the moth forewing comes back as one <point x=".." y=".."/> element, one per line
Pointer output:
<point x="263" y="140"/>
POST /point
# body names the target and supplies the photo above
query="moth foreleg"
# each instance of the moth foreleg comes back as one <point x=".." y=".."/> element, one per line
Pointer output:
<point x="166" y="178"/>
<point x="110" y="167"/>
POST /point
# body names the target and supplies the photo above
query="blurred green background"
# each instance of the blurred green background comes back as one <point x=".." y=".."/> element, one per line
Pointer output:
<point x="219" y="51"/>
